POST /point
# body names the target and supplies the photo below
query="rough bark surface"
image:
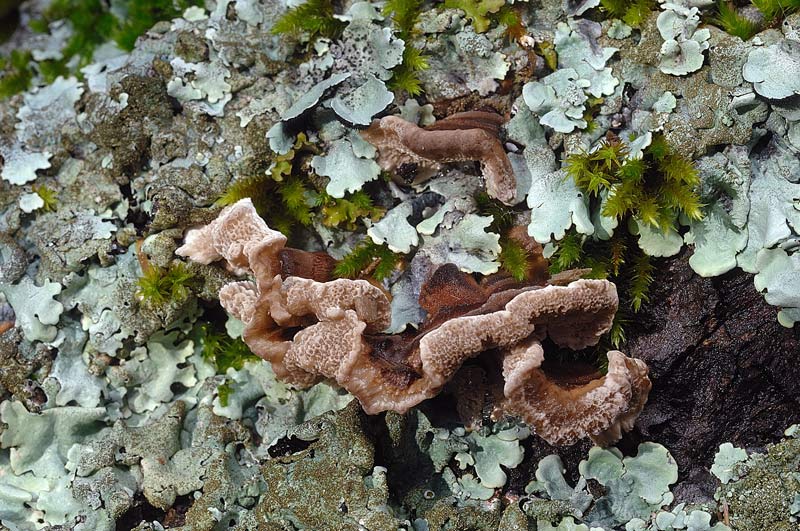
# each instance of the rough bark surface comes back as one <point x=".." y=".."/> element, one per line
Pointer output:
<point x="722" y="367"/>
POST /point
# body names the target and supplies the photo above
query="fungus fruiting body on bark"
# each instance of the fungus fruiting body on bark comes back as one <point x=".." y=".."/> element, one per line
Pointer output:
<point x="311" y="327"/>
<point x="463" y="136"/>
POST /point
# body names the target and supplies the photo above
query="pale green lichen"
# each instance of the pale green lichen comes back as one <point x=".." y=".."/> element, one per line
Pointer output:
<point x="35" y="307"/>
<point x="774" y="70"/>
<point x="362" y="103"/>
<point x="577" y="48"/>
<point x="684" y="43"/>
<point x="347" y="170"/>
<point x="725" y="462"/>
<point x="559" y="99"/>
<point x="466" y="244"/>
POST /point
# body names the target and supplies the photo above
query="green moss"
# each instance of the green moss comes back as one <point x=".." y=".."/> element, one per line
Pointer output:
<point x="288" y="196"/>
<point x="618" y="259"/>
<point x="405" y="77"/>
<point x="222" y="350"/>
<point x="729" y="19"/>
<point x="368" y="258"/>
<point x="775" y="9"/>
<point x="224" y="392"/>
<point x="568" y="254"/>
<point x="281" y="195"/>
<point x="143" y="15"/>
<point x="48" y="195"/>
<point x="92" y="24"/>
<point x="16" y="73"/>
<point x="346" y="211"/>
<point x="654" y="189"/>
<point x="504" y="216"/>
<point x="631" y="12"/>
<point x="158" y="286"/>
<point x="514" y="259"/>
<point x="314" y="18"/>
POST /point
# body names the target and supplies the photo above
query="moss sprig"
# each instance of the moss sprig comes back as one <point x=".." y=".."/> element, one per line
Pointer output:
<point x="730" y="18"/>
<point x="289" y="196"/>
<point x="347" y="210"/>
<point x="405" y="76"/>
<point x="283" y="194"/>
<point x="654" y="189"/>
<point x="15" y="73"/>
<point x="618" y="259"/>
<point x="48" y="196"/>
<point x="368" y="259"/>
<point x="514" y="259"/>
<point x="313" y="18"/>
<point x="223" y="351"/>
<point x="631" y="12"/>
<point x="158" y="286"/>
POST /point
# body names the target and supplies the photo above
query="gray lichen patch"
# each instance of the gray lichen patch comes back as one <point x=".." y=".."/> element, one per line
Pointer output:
<point x="763" y="496"/>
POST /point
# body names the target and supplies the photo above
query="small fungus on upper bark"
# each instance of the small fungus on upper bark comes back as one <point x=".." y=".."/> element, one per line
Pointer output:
<point x="310" y="327"/>
<point x="464" y="136"/>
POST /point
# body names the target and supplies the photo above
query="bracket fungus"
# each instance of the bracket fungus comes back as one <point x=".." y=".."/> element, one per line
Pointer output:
<point x="312" y="328"/>
<point x="464" y="136"/>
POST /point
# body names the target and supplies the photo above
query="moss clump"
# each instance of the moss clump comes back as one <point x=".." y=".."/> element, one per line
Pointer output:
<point x="631" y="12"/>
<point x="368" y="259"/>
<point x="48" y="195"/>
<point x="405" y="76"/>
<point x="288" y="195"/>
<point x="224" y="351"/>
<point x="654" y="189"/>
<point x="618" y="259"/>
<point x="92" y="24"/>
<point x="159" y="286"/>
<point x="729" y="18"/>
<point x="15" y="73"/>
<point x="313" y="18"/>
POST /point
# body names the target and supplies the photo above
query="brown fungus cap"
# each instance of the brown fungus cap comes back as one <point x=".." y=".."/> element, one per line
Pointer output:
<point x="562" y="409"/>
<point x="460" y="137"/>
<point x="312" y="328"/>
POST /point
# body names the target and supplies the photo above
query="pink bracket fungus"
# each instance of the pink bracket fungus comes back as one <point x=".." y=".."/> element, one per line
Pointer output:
<point x="312" y="328"/>
<point x="464" y="136"/>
